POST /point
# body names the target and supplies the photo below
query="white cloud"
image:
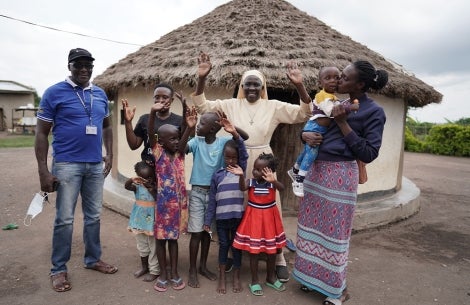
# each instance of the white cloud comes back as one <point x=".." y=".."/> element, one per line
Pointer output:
<point x="454" y="105"/>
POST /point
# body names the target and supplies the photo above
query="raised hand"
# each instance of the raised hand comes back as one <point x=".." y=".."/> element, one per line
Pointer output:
<point x="181" y="97"/>
<point x="225" y="122"/>
<point x="191" y="117"/>
<point x="294" y="73"/>
<point x="204" y="65"/>
<point x="268" y="175"/>
<point x="139" y="180"/>
<point x="235" y="169"/>
<point x="128" y="111"/>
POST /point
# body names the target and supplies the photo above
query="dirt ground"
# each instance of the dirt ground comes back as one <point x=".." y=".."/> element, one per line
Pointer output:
<point x="422" y="260"/>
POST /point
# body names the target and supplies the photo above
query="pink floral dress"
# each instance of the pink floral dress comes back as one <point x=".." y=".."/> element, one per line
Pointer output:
<point x="171" y="210"/>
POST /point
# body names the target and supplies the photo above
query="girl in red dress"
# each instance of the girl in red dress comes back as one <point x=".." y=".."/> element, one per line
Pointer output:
<point x="261" y="229"/>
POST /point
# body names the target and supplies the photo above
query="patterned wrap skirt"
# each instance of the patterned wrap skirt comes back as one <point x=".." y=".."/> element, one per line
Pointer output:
<point x="324" y="226"/>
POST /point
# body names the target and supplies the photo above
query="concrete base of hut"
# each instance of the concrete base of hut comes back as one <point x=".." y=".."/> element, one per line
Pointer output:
<point x="369" y="214"/>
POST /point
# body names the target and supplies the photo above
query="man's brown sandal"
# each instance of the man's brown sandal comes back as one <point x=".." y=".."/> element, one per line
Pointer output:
<point x="103" y="267"/>
<point x="60" y="282"/>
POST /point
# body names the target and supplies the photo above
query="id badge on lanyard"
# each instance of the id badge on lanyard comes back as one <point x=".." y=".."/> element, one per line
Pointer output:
<point x="90" y="129"/>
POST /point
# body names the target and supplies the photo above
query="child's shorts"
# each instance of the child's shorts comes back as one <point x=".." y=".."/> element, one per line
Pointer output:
<point x="198" y="202"/>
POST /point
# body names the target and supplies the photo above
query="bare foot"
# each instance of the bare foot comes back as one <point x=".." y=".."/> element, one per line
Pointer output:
<point x="222" y="284"/>
<point x="150" y="277"/>
<point x="193" y="281"/>
<point x="141" y="272"/>
<point x="237" y="287"/>
<point x="205" y="272"/>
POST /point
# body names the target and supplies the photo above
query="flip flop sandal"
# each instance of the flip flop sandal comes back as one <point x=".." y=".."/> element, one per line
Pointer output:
<point x="256" y="289"/>
<point x="161" y="286"/>
<point x="277" y="285"/>
<point x="60" y="282"/>
<point x="177" y="284"/>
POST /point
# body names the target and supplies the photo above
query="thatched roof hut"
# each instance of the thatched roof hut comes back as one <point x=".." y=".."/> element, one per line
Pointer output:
<point x="263" y="35"/>
<point x="260" y="34"/>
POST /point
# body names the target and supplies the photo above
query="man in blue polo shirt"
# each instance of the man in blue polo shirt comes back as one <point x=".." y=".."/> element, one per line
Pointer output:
<point x="78" y="114"/>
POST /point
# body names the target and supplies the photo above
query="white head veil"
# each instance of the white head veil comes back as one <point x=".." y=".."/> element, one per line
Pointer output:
<point x="258" y="74"/>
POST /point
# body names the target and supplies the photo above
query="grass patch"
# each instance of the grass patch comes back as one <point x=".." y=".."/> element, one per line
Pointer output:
<point x="11" y="141"/>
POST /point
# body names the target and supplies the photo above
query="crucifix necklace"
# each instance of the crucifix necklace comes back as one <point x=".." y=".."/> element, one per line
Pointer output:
<point x="250" y="115"/>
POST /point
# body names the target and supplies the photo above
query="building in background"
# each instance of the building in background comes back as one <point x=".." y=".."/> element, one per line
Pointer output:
<point x="17" y="111"/>
<point x="256" y="34"/>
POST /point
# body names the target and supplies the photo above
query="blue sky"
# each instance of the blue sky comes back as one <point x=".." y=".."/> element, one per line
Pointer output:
<point x="427" y="38"/>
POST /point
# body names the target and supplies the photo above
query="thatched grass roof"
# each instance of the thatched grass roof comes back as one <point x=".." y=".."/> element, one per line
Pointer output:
<point x="255" y="34"/>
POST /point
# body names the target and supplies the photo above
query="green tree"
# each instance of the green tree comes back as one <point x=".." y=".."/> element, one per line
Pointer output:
<point x="463" y="121"/>
<point x="37" y="98"/>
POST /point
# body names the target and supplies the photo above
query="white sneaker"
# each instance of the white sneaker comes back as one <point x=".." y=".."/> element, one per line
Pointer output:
<point x="298" y="188"/>
<point x="292" y="175"/>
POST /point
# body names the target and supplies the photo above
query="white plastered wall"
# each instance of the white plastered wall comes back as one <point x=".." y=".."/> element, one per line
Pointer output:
<point x="384" y="173"/>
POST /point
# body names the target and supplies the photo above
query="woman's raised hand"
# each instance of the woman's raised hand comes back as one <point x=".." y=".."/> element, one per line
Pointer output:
<point x="204" y="65"/>
<point x="294" y="73"/>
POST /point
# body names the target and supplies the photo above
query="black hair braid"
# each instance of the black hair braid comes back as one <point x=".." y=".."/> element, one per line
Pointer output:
<point x="272" y="161"/>
<point x="375" y="79"/>
<point x="381" y="80"/>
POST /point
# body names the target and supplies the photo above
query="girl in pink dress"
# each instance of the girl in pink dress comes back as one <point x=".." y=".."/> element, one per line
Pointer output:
<point x="171" y="210"/>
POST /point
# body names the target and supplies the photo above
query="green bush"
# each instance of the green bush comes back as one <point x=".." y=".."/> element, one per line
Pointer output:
<point x="462" y="142"/>
<point x="449" y="139"/>
<point x="411" y="142"/>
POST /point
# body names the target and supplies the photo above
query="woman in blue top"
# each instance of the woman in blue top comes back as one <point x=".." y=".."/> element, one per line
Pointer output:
<point x="327" y="209"/>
